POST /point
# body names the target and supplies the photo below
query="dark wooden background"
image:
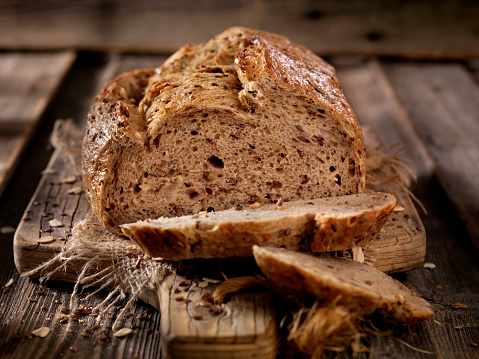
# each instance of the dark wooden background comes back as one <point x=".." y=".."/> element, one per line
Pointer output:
<point x="409" y="68"/>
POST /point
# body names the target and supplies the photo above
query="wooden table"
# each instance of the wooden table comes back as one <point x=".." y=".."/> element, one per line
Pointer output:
<point x="425" y="93"/>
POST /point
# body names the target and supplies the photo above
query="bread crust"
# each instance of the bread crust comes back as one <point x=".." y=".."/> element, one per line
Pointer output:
<point x="230" y="78"/>
<point x="350" y="283"/>
<point x="325" y="224"/>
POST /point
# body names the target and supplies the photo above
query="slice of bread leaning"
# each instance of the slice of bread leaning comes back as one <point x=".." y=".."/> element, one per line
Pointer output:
<point x="357" y="285"/>
<point x="246" y="117"/>
<point x="325" y="224"/>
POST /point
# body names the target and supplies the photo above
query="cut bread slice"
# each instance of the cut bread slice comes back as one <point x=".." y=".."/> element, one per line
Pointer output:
<point x="324" y="224"/>
<point x="348" y="282"/>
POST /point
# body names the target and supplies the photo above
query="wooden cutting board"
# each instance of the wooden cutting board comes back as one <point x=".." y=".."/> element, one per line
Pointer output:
<point x="246" y="325"/>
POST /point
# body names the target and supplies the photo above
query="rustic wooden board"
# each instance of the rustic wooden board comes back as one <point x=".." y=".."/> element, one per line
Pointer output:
<point x="245" y="327"/>
<point x="28" y="82"/>
<point x="443" y="102"/>
<point x="419" y="29"/>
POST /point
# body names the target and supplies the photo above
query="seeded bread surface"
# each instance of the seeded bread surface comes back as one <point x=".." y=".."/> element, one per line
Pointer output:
<point x="324" y="224"/>
<point x="351" y="283"/>
<point x="246" y="117"/>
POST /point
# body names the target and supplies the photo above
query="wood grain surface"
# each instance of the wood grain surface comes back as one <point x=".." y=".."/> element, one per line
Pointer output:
<point x="413" y="29"/>
<point x="443" y="100"/>
<point x="451" y="333"/>
<point x="28" y="83"/>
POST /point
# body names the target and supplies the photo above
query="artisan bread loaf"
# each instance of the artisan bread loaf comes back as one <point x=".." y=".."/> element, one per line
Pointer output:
<point x="351" y="283"/>
<point x="246" y="117"/>
<point x="317" y="225"/>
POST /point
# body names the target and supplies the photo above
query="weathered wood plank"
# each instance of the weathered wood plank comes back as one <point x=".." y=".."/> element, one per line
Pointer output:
<point x="28" y="83"/>
<point x="373" y="100"/>
<point x="193" y="328"/>
<point x="454" y="280"/>
<point x="375" y="104"/>
<point x="17" y="314"/>
<point x="443" y="103"/>
<point x="422" y="29"/>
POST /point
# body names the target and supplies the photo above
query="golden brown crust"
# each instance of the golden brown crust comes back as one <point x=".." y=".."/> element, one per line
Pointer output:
<point x="113" y="118"/>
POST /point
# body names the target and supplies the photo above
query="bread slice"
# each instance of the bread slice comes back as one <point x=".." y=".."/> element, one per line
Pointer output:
<point x="246" y="117"/>
<point x="349" y="282"/>
<point x="324" y="224"/>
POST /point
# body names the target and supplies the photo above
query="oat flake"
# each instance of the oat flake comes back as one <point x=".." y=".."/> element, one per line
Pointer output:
<point x="122" y="332"/>
<point x="47" y="239"/>
<point x="69" y="180"/>
<point x="75" y="190"/>
<point x="41" y="332"/>
<point x="55" y="223"/>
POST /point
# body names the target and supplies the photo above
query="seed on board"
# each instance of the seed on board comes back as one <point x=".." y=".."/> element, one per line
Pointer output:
<point x="459" y="306"/>
<point x="123" y="332"/>
<point x="75" y="190"/>
<point x="41" y="332"/>
<point x="63" y="309"/>
<point x="74" y="349"/>
<point x="69" y="180"/>
<point x="203" y="284"/>
<point x="55" y="223"/>
<point x="43" y="240"/>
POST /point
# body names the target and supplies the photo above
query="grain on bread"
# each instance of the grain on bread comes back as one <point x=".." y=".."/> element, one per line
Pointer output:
<point x="246" y="117"/>
<point x="348" y="282"/>
<point x="324" y="224"/>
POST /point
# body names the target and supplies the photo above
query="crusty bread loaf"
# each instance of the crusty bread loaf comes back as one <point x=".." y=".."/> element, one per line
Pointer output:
<point x="246" y="117"/>
<point x="351" y="283"/>
<point x="318" y="225"/>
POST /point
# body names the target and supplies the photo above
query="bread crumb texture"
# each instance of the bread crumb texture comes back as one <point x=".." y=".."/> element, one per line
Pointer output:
<point x="244" y="119"/>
